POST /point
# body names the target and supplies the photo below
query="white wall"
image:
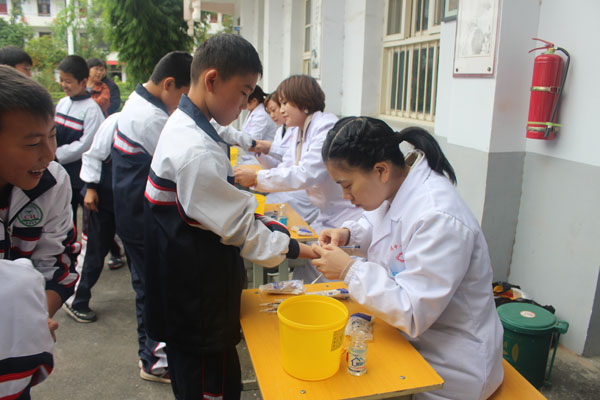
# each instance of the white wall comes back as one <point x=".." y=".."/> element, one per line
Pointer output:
<point x="574" y="26"/>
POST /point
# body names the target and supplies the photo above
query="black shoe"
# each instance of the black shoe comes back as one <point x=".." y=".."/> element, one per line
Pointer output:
<point x="80" y="315"/>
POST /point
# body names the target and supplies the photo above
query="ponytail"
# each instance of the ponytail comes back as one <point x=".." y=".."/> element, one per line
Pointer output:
<point x="363" y="141"/>
<point x="422" y="140"/>
<point x="257" y="94"/>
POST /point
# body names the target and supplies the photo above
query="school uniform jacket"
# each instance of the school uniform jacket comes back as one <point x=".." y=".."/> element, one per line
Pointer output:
<point x="197" y="226"/>
<point x="428" y="273"/>
<point x="138" y="129"/>
<point x="77" y="118"/>
<point x="96" y="164"/>
<point x="40" y="227"/>
<point x="311" y="175"/>
<point x="26" y="345"/>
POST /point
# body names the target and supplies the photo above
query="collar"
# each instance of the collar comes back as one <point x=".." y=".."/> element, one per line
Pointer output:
<point x="190" y="109"/>
<point x="84" y="96"/>
<point x="307" y="122"/>
<point x="418" y="173"/>
<point x="47" y="181"/>
<point x="150" y="98"/>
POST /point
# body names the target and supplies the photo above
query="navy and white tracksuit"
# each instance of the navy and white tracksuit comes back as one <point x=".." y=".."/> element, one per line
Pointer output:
<point x="98" y="227"/>
<point x="77" y="119"/>
<point x="38" y="225"/>
<point x="138" y="129"/>
<point x="26" y="345"/>
<point x="198" y="227"/>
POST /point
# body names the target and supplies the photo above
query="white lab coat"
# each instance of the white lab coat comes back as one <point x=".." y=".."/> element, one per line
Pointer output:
<point x="296" y="198"/>
<point x="428" y="273"/>
<point x="311" y="175"/>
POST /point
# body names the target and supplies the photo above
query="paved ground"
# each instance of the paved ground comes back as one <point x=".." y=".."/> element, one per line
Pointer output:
<point x="99" y="360"/>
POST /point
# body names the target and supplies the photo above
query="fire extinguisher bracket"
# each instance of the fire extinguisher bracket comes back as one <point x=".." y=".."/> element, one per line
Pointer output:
<point x="549" y="89"/>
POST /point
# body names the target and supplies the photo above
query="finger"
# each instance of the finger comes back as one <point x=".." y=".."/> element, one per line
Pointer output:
<point x="317" y="262"/>
<point x="318" y="249"/>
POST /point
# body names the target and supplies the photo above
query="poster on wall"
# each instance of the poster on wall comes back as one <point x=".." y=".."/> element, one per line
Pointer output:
<point x="476" y="31"/>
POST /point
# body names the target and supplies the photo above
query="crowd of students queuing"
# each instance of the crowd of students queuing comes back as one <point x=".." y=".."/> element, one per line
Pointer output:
<point x="162" y="163"/>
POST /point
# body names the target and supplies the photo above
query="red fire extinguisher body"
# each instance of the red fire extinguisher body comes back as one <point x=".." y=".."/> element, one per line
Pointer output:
<point x="545" y="90"/>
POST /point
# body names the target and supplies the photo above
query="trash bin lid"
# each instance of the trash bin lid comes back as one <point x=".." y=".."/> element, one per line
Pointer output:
<point x="526" y="318"/>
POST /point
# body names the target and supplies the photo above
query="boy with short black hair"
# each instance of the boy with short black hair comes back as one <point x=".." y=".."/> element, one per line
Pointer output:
<point x="34" y="191"/>
<point x="139" y="126"/>
<point x="17" y="58"/>
<point x="77" y="119"/>
<point x="198" y="226"/>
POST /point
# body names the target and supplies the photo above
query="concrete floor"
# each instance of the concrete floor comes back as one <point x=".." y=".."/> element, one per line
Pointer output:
<point x="99" y="360"/>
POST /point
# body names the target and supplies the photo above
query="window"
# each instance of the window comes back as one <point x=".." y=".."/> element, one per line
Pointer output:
<point x="307" y="44"/>
<point x="410" y="58"/>
<point x="3" y="7"/>
<point x="43" y="7"/>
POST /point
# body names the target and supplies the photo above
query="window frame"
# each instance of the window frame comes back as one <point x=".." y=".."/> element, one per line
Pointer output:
<point x="41" y="4"/>
<point x="306" y="55"/>
<point x="409" y="40"/>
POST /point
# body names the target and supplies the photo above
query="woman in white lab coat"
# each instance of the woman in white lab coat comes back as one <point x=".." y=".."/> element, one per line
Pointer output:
<point x="302" y="104"/>
<point x="427" y="270"/>
<point x="271" y="154"/>
<point x="258" y="125"/>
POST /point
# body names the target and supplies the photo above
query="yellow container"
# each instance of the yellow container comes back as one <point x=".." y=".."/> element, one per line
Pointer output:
<point x="311" y="332"/>
<point x="260" y="209"/>
<point x="233" y="153"/>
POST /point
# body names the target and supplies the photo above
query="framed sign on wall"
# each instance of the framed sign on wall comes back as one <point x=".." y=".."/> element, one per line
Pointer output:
<point x="476" y="32"/>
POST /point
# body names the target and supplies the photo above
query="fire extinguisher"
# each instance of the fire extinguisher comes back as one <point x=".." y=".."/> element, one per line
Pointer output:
<point x="546" y="88"/>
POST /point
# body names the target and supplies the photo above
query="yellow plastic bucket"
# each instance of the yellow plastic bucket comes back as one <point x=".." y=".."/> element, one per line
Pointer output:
<point x="311" y="331"/>
<point x="233" y="153"/>
<point x="260" y="199"/>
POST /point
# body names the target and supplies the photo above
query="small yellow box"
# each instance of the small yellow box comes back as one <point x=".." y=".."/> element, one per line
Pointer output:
<point x="233" y="153"/>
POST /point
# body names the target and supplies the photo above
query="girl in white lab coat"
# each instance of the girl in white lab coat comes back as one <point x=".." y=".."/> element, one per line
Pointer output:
<point x="302" y="104"/>
<point x="258" y="125"/>
<point x="271" y="154"/>
<point x="426" y="268"/>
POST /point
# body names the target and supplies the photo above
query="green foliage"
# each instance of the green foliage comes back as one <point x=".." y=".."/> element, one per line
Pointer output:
<point x="83" y="18"/>
<point x="15" y="32"/>
<point x="46" y="53"/>
<point x="143" y="31"/>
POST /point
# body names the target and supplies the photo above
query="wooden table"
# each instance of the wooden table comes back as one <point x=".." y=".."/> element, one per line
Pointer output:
<point x="294" y="219"/>
<point x="394" y="368"/>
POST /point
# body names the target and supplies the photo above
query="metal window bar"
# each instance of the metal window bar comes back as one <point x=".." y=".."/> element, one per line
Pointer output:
<point x="412" y="76"/>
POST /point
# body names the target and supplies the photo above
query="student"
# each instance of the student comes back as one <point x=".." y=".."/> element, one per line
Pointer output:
<point x="16" y="58"/>
<point x="98" y="219"/>
<point x="97" y="89"/>
<point x="138" y="129"/>
<point x="77" y="119"/>
<point x="302" y="104"/>
<point x="199" y="226"/>
<point x="271" y="154"/>
<point x="34" y="190"/>
<point x="257" y="125"/>
<point x="26" y="343"/>
<point x="427" y="270"/>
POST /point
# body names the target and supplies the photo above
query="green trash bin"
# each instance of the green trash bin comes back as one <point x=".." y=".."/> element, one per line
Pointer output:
<point x="528" y="331"/>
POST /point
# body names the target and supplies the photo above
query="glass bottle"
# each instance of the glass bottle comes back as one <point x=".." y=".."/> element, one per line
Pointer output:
<point x="282" y="215"/>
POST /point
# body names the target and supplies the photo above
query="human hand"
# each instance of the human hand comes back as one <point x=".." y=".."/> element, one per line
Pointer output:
<point x="262" y="146"/>
<point x="333" y="261"/>
<point x="52" y="327"/>
<point x="336" y="237"/>
<point x="306" y="251"/>
<point x="245" y="177"/>
<point x="91" y="199"/>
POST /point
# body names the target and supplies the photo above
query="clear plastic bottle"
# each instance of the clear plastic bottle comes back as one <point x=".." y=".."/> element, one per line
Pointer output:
<point x="282" y="215"/>
<point x="357" y="354"/>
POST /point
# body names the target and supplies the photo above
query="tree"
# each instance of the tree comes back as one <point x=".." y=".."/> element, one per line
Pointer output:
<point x="84" y="19"/>
<point x="15" y="32"/>
<point x="46" y="53"/>
<point x="143" y="31"/>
